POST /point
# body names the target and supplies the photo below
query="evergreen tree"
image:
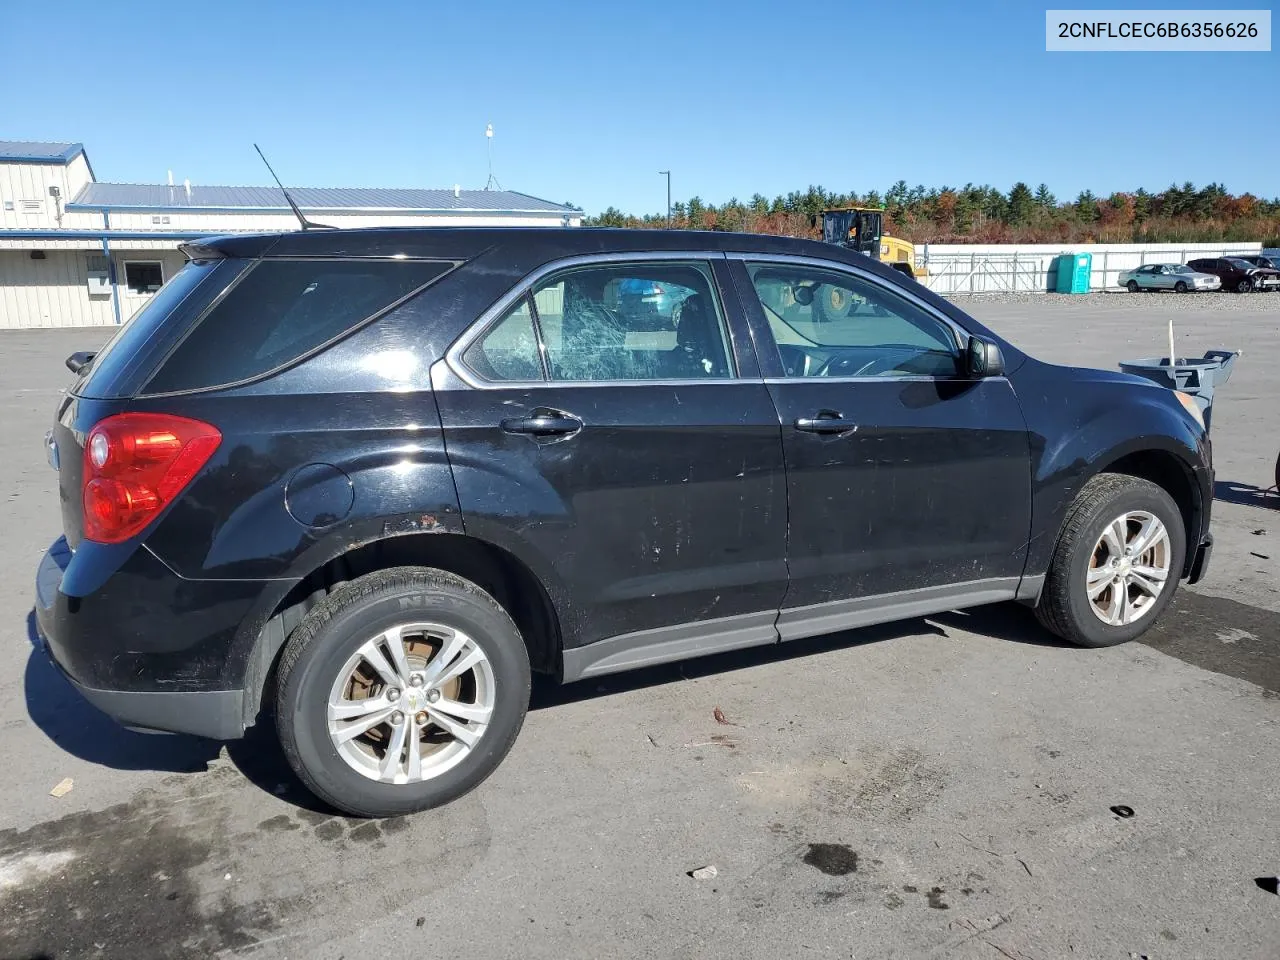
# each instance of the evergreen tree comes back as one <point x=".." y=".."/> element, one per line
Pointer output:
<point x="1087" y="207"/>
<point x="1021" y="204"/>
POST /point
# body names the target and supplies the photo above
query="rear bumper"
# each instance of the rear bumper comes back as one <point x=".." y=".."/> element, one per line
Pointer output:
<point x="96" y="642"/>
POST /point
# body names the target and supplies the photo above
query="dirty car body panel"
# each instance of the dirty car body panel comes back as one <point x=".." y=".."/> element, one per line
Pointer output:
<point x="655" y="516"/>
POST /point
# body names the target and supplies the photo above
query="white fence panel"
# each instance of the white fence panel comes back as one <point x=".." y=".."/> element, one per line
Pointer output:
<point x="1033" y="268"/>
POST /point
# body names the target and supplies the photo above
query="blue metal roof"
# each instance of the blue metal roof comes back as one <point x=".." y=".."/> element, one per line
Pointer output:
<point x="147" y="196"/>
<point x="34" y="151"/>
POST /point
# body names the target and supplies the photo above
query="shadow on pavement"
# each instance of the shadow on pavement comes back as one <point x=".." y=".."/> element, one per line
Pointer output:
<point x="1228" y="491"/>
<point x="86" y="732"/>
<point x="82" y="730"/>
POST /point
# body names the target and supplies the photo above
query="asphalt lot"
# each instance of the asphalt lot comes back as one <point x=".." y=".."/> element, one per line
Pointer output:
<point x="937" y="787"/>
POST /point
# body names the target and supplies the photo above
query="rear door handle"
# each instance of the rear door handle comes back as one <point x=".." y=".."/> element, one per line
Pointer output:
<point x="543" y="423"/>
<point x="826" y="421"/>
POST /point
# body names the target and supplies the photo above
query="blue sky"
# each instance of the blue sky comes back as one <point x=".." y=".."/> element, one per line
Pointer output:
<point x="590" y="99"/>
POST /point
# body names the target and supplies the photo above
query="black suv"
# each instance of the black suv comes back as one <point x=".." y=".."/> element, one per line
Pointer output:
<point x="365" y="481"/>
<point x="1238" y="273"/>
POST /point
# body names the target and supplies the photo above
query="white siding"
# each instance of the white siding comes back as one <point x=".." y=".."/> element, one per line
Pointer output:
<point x="31" y="181"/>
<point x="52" y="292"/>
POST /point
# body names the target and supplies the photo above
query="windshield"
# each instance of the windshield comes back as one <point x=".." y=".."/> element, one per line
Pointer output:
<point x="1241" y="264"/>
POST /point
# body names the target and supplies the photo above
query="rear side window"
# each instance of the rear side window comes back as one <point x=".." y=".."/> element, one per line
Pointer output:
<point x="283" y="309"/>
<point x="115" y="367"/>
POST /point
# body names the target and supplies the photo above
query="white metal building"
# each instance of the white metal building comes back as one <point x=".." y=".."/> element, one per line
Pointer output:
<point x="77" y="252"/>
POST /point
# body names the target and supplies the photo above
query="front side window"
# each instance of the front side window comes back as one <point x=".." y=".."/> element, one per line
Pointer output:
<point x="612" y="322"/>
<point x="828" y="323"/>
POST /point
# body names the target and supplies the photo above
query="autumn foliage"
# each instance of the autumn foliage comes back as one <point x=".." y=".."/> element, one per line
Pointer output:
<point x="973" y="214"/>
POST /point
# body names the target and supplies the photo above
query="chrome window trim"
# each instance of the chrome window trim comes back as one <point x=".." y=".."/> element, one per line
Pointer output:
<point x="495" y="313"/>
<point x="838" y="266"/>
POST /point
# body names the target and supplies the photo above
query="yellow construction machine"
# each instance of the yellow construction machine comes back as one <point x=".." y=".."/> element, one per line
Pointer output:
<point x="862" y="229"/>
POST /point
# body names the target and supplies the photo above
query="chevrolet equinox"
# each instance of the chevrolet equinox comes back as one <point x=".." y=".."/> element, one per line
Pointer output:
<point x="364" y="482"/>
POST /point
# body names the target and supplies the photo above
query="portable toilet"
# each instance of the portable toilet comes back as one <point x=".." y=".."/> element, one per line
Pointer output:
<point x="1074" y="270"/>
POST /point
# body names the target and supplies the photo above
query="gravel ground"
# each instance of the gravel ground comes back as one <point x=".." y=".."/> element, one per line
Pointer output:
<point x="1165" y="303"/>
<point x="940" y="787"/>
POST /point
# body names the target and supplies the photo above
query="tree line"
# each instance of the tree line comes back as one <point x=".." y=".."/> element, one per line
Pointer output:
<point x="983" y="214"/>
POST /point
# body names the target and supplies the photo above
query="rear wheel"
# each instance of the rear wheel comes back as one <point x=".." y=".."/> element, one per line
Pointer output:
<point x="1180" y="287"/>
<point x="1117" y="562"/>
<point x="1132" y="286"/>
<point x="401" y="691"/>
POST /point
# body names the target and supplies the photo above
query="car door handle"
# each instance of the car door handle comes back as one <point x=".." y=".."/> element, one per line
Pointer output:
<point x="543" y="423"/>
<point x="828" y="421"/>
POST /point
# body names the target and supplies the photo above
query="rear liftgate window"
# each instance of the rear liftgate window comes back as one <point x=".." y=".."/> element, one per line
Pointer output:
<point x="283" y="309"/>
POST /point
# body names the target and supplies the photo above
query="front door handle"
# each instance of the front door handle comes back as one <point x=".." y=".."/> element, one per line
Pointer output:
<point x="826" y="421"/>
<point x="543" y="423"/>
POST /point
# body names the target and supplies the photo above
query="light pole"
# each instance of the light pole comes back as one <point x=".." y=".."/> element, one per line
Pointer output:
<point x="667" y="174"/>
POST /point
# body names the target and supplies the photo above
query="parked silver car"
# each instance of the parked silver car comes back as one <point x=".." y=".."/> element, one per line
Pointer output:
<point x="1168" y="276"/>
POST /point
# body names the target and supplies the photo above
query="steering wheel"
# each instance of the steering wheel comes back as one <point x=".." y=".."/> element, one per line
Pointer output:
<point x="872" y="368"/>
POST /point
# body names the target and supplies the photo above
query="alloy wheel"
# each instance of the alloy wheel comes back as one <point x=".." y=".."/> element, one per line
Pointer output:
<point x="411" y="703"/>
<point x="1129" y="568"/>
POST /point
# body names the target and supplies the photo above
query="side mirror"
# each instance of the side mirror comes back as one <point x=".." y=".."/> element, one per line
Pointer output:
<point x="983" y="359"/>
<point x="80" y="359"/>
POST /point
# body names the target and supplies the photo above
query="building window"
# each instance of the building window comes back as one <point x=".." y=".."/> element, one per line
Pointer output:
<point x="143" y="277"/>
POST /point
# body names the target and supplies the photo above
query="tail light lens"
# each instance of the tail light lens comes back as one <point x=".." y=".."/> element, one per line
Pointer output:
<point x="134" y="466"/>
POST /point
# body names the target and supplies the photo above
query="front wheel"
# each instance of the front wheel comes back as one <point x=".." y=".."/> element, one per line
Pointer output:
<point x="402" y="690"/>
<point x="1244" y="286"/>
<point x="1132" y="286"/>
<point x="1117" y="562"/>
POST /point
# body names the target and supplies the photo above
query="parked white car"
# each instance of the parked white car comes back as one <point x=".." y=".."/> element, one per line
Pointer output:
<point x="1168" y="276"/>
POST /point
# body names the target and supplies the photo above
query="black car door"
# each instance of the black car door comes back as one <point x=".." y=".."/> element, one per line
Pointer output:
<point x="606" y="427"/>
<point x="909" y="486"/>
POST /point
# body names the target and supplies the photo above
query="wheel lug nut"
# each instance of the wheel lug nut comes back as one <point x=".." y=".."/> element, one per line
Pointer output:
<point x="397" y="718"/>
<point x="393" y="693"/>
<point x="433" y="696"/>
<point x="420" y="718"/>
<point x="416" y="680"/>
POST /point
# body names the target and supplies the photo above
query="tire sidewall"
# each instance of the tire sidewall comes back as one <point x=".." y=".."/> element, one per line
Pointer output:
<point x="1153" y="500"/>
<point x="304" y="697"/>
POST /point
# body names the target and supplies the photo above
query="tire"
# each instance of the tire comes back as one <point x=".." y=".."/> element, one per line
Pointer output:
<point x="1065" y="607"/>
<point x="1132" y="286"/>
<point x="327" y="643"/>
<point x="1244" y="286"/>
<point x="1180" y="287"/>
<point x="832" y="303"/>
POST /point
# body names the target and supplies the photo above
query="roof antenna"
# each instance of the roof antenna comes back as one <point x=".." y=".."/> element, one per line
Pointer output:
<point x="492" y="181"/>
<point x="306" y="224"/>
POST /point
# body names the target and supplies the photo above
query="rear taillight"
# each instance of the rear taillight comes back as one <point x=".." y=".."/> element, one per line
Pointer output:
<point x="134" y="465"/>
